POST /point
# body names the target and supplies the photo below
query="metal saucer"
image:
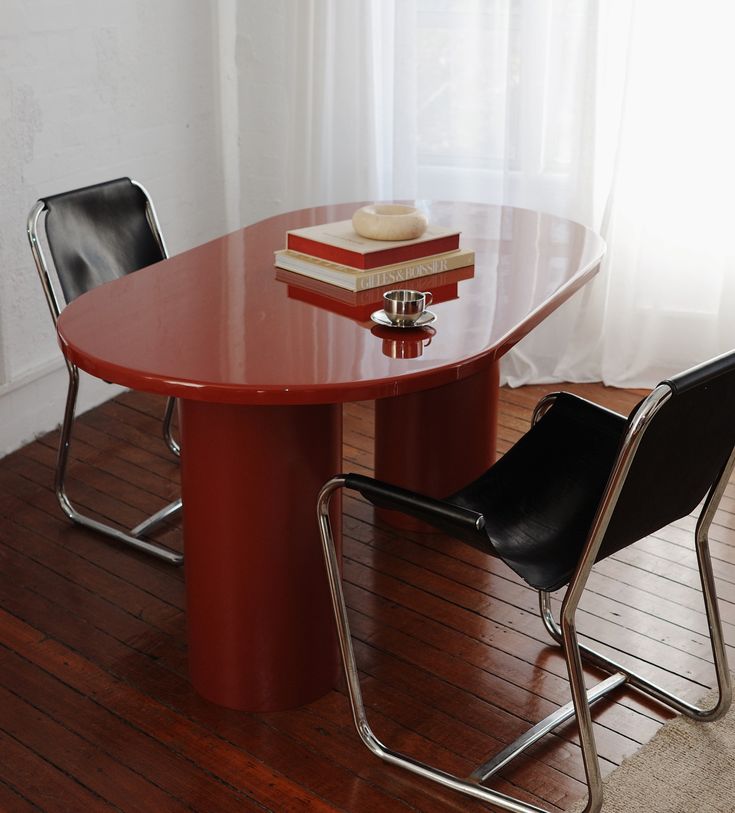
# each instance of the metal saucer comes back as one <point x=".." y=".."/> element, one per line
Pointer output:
<point x="381" y="318"/>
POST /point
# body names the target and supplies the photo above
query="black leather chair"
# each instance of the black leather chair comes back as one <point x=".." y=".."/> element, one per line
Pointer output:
<point x="582" y="484"/>
<point x="96" y="234"/>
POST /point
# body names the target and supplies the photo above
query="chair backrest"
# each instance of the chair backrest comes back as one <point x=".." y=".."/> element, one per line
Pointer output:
<point x="99" y="233"/>
<point x="681" y="455"/>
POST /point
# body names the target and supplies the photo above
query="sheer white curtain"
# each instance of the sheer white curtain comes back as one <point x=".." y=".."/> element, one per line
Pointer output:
<point x="613" y="113"/>
<point x="670" y="294"/>
<point x="507" y="112"/>
<point x="311" y="126"/>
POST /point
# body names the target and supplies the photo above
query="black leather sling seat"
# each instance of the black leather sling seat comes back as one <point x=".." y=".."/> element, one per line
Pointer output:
<point x="534" y="508"/>
<point x="99" y="233"/>
<point x="538" y="501"/>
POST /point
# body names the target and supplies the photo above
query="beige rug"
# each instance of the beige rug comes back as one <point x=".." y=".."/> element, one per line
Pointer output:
<point x="687" y="767"/>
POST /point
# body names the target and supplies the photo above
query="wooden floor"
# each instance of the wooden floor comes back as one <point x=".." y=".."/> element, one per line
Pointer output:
<point x="96" y="713"/>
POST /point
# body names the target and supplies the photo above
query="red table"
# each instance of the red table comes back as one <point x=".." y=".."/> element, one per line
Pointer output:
<point x="262" y="374"/>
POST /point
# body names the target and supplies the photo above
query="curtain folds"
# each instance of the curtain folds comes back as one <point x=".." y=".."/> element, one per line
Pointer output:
<point x="613" y="113"/>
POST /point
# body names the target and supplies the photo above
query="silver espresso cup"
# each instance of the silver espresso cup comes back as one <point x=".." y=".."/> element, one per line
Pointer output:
<point x="404" y="307"/>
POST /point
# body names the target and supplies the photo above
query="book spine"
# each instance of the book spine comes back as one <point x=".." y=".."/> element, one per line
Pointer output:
<point x="392" y="276"/>
<point x="372" y="259"/>
<point x="364" y="280"/>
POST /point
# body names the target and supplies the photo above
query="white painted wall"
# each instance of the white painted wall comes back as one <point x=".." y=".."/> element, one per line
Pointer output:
<point x="92" y="90"/>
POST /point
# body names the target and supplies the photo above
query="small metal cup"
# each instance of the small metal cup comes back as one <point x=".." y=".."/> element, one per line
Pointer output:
<point x="404" y="307"/>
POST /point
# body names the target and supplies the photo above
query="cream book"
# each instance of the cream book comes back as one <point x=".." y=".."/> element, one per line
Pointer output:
<point x="356" y="280"/>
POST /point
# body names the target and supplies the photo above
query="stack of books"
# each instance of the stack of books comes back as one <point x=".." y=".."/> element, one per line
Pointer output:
<point x="334" y="253"/>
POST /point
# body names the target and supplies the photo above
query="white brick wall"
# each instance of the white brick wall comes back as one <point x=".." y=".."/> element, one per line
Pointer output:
<point x="91" y="90"/>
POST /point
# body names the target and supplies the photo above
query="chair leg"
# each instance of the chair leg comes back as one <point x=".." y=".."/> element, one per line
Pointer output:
<point x="159" y="551"/>
<point x="579" y="707"/>
<point x="469" y="785"/>
<point x="583" y="714"/>
<point x="154" y="520"/>
<point x="709" y="594"/>
<point x="545" y="726"/>
<point x="633" y="678"/>
<point x="173" y="508"/>
<point x="168" y="417"/>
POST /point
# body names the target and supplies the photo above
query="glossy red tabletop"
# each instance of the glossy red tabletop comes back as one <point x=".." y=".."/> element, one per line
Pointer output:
<point x="215" y="324"/>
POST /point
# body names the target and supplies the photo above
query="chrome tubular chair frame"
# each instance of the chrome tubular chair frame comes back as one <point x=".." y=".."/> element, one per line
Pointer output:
<point x="131" y="538"/>
<point x="563" y="633"/>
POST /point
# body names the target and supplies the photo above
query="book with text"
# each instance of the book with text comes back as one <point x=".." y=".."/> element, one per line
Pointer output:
<point x="340" y="243"/>
<point x="355" y="280"/>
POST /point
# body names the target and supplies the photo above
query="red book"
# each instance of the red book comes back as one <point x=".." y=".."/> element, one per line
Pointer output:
<point x="340" y="243"/>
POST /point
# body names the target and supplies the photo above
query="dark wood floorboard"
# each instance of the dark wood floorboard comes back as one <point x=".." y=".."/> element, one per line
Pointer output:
<point x="96" y="712"/>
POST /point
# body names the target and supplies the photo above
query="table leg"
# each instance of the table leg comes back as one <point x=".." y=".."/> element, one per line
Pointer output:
<point x="436" y="441"/>
<point x="259" y="621"/>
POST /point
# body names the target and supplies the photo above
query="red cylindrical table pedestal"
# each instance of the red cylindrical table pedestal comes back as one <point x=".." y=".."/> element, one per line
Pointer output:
<point x="437" y="440"/>
<point x="259" y="623"/>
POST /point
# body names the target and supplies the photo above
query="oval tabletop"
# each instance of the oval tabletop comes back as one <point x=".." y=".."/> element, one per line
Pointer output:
<point x="220" y="323"/>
